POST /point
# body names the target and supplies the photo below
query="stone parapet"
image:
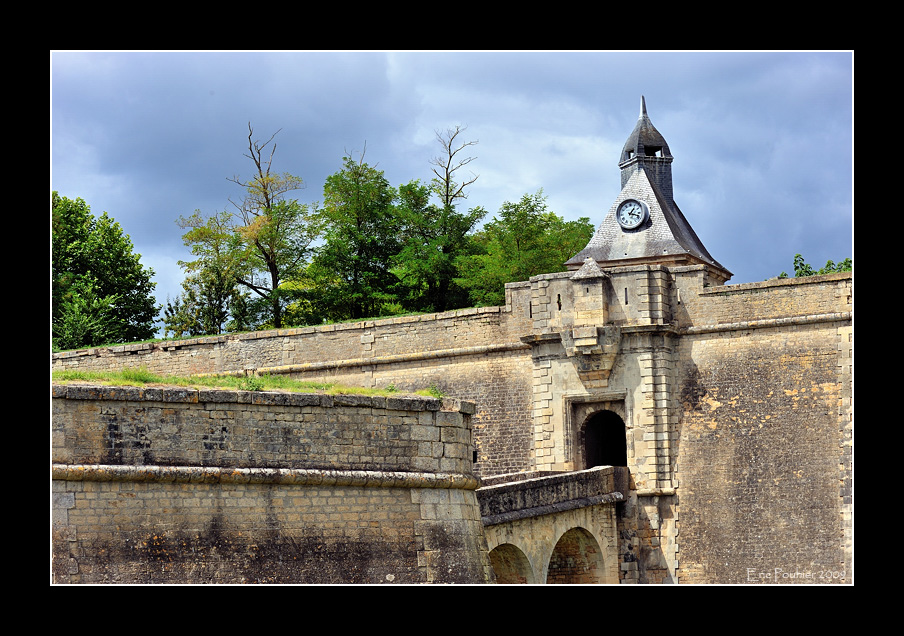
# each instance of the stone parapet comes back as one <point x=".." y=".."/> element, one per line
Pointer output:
<point x="536" y="496"/>
<point x="258" y="429"/>
<point x="180" y="485"/>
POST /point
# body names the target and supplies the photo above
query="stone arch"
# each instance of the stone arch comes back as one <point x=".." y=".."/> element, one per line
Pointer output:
<point x="576" y="558"/>
<point x="581" y="410"/>
<point x="604" y="440"/>
<point x="511" y="565"/>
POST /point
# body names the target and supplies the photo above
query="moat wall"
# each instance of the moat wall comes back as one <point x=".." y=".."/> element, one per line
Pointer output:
<point x="186" y="486"/>
<point x="736" y="401"/>
<point x="764" y="456"/>
<point x="472" y="354"/>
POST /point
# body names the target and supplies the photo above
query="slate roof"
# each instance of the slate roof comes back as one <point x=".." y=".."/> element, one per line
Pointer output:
<point x="644" y="136"/>
<point x="666" y="236"/>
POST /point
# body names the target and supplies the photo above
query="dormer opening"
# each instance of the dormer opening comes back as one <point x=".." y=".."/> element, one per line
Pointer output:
<point x="653" y="151"/>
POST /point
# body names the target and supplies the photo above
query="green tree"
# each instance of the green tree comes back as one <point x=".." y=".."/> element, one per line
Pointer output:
<point x="181" y="317"/>
<point x="264" y="241"/>
<point x="82" y="318"/>
<point x="435" y="236"/>
<point x="212" y="278"/>
<point x="352" y="270"/>
<point x="277" y="232"/>
<point x="524" y="240"/>
<point x="801" y="268"/>
<point x="201" y="309"/>
<point x="101" y="294"/>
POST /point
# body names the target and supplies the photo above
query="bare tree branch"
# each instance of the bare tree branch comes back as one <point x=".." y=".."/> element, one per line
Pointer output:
<point x="447" y="165"/>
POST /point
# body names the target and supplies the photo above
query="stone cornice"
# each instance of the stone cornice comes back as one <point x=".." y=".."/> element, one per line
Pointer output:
<point x="281" y="476"/>
<point x="766" y="323"/>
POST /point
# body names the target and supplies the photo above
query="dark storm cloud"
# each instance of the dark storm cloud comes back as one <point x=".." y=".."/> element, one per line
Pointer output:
<point x="762" y="141"/>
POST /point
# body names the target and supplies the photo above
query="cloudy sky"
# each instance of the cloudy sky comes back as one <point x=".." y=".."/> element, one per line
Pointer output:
<point x="763" y="141"/>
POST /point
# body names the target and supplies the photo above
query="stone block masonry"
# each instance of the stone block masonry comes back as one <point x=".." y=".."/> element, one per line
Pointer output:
<point x="736" y="404"/>
<point x="194" y="486"/>
<point x="471" y="354"/>
<point x="770" y="417"/>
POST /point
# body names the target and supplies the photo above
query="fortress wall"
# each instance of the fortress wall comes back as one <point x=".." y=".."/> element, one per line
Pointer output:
<point x="774" y="299"/>
<point x="764" y="455"/>
<point x="403" y="338"/>
<point x="498" y="382"/>
<point x="764" y="400"/>
<point x="472" y="354"/>
<point x="185" y="486"/>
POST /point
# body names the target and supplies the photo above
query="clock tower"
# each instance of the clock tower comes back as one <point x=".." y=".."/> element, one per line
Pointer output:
<point x="644" y="224"/>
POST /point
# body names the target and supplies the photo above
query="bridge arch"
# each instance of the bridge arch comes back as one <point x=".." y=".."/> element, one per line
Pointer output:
<point x="541" y="549"/>
<point x="511" y="565"/>
<point x="576" y="558"/>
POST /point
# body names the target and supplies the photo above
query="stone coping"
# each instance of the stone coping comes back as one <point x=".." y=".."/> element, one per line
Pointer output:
<point x="280" y="333"/>
<point x="545" y="493"/>
<point x="186" y="395"/>
<point x="717" y="290"/>
<point x="768" y="323"/>
<point x="282" y="476"/>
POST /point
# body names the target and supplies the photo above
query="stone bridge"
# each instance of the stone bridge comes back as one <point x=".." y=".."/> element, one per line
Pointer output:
<point x="553" y="528"/>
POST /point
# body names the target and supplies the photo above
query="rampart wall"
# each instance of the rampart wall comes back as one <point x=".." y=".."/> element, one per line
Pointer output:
<point x="193" y="486"/>
<point x="736" y="400"/>
<point x="326" y="350"/>
<point x="472" y="354"/>
<point x="764" y="457"/>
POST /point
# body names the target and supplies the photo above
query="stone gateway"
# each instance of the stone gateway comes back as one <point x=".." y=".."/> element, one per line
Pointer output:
<point x="633" y="419"/>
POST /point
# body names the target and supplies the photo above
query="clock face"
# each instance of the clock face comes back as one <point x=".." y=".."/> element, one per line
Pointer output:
<point x="631" y="214"/>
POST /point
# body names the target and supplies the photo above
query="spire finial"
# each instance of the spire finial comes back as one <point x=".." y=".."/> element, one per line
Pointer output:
<point x="643" y="107"/>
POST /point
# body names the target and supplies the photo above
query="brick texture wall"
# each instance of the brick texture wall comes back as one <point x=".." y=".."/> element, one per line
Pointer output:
<point x="764" y="455"/>
<point x="737" y="402"/>
<point x="472" y="354"/>
<point x="185" y="486"/>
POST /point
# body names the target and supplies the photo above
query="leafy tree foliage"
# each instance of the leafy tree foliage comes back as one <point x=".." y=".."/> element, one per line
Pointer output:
<point x="211" y="283"/>
<point x="433" y="238"/>
<point x="276" y="232"/>
<point x="436" y="235"/>
<point x="368" y="250"/>
<point x="801" y="268"/>
<point x="206" y="304"/>
<point x="101" y="294"/>
<point x="351" y="273"/>
<point x="264" y="241"/>
<point x="524" y="240"/>
<point x="82" y="318"/>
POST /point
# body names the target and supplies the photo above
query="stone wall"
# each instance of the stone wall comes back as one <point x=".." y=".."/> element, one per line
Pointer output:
<point x="736" y="402"/>
<point x="554" y="528"/>
<point x="327" y="349"/>
<point x="769" y="413"/>
<point x="185" y="486"/>
<point x="471" y="354"/>
<point x="764" y="458"/>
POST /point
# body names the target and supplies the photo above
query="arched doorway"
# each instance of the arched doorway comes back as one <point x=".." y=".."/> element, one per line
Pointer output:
<point x="577" y="558"/>
<point x="604" y="440"/>
<point x="510" y="565"/>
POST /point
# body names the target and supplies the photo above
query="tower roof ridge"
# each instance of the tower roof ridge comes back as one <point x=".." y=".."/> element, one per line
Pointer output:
<point x="644" y="224"/>
<point x="645" y="140"/>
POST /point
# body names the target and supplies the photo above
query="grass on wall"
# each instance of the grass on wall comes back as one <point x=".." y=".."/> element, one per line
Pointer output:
<point x="142" y="377"/>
